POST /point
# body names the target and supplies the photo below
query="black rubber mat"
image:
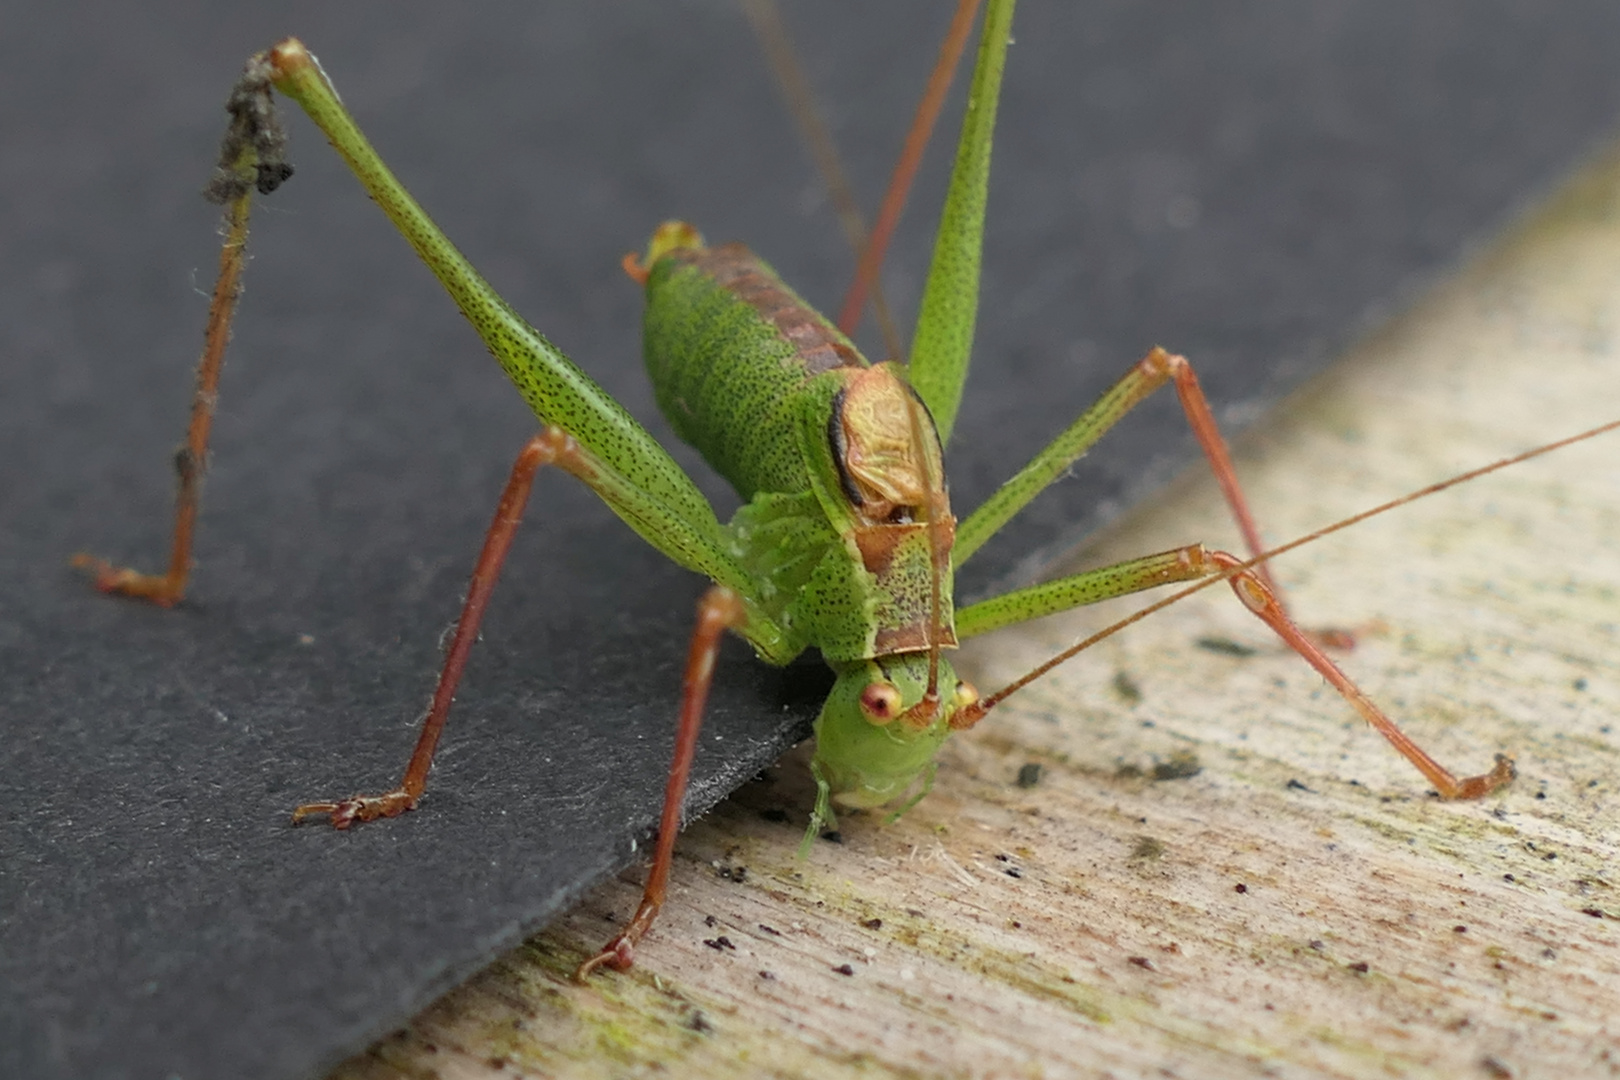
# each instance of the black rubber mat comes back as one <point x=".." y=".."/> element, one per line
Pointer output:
<point x="1250" y="183"/>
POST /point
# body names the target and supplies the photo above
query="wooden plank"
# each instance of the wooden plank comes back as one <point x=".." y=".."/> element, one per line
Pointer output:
<point x="1301" y="904"/>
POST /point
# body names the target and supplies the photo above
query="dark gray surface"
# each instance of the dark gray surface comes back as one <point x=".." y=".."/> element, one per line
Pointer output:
<point x="157" y="915"/>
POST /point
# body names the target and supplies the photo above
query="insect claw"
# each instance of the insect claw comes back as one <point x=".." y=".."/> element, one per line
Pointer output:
<point x="158" y="589"/>
<point x="308" y="810"/>
<point x="619" y="954"/>
<point x="346" y="812"/>
<point x="1474" y="787"/>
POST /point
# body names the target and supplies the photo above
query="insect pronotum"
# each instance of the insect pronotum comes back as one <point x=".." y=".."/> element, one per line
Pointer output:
<point x="847" y="541"/>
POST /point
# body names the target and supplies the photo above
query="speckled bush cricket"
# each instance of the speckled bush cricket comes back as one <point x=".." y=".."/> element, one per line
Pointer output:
<point x="848" y="542"/>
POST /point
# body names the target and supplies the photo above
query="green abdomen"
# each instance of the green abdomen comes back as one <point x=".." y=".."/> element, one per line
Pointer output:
<point x="727" y="346"/>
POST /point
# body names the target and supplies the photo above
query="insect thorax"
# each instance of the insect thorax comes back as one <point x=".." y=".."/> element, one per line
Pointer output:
<point x="847" y="525"/>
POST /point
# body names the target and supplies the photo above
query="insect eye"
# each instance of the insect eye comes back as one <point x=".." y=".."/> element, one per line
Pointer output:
<point x="966" y="694"/>
<point x="880" y="701"/>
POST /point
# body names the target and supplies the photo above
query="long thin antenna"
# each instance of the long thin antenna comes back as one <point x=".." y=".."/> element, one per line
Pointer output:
<point x="905" y="171"/>
<point x="766" y="20"/>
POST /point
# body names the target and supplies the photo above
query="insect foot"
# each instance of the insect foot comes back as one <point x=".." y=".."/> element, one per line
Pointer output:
<point x="620" y="953"/>
<point x="346" y="812"/>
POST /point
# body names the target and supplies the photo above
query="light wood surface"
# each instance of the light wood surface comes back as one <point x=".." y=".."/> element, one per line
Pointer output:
<point x="1301" y="906"/>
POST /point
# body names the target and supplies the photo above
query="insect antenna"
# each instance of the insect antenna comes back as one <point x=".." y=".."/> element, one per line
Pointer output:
<point x="972" y="714"/>
<point x="905" y="171"/>
<point x="766" y="19"/>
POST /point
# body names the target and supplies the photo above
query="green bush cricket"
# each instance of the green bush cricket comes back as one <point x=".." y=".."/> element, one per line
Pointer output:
<point x="848" y="541"/>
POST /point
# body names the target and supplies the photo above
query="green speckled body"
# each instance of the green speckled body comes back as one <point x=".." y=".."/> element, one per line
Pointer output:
<point x="846" y="530"/>
<point x="782" y="405"/>
<point x="729" y="349"/>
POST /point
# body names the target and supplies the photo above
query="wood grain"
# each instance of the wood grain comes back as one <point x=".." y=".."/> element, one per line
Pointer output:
<point x="1301" y="905"/>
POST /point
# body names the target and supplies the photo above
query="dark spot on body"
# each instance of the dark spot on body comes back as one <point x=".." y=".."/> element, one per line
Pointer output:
<point x="844" y="969"/>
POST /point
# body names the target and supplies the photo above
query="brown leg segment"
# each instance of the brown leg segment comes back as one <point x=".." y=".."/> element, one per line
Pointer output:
<point x="1202" y="421"/>
<point x="1259" y="599"/>
<point x="251" y="158"/>
<point x="719" y="610"/>
<point x="168" y="589"/>
<point x="553" y="446"/>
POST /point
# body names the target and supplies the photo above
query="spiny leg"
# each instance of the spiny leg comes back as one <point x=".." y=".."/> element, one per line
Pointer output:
<point x="602" y="445"/>
<point x="1154" y="370"/>
<point x="719" y="610"/>
<point x="251" y="159"/>
<point x="1258" y="597"/>
<point x="1087" y="587"/>
<point x="553" y="446"/>
<point x="1188" y="564"/>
